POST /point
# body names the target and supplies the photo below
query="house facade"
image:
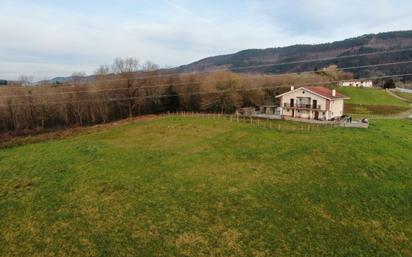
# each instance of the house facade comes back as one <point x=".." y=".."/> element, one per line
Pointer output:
<point x="366" y="83"/>
<point x="315" y="103"/>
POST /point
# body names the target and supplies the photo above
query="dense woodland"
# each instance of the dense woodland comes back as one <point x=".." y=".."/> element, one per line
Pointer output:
<point x="127" y="89"/>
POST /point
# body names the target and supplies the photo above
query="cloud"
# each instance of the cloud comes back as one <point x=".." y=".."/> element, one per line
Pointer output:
<point x="335" y="18"/>
<point x="48" y="38"/>
<point x="180" y="8"/>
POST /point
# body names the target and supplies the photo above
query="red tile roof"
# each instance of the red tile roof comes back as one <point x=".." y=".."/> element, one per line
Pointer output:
<point x="326" y="92"/>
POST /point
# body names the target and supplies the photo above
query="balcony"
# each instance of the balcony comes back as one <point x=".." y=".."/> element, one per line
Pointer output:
<point x="303" y="106"/>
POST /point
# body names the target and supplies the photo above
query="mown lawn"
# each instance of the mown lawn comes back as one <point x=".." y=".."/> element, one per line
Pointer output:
<point x="372" y="101"/>
<point x="368" y="96"/>
<point x="374" y="109"/>
<point x="193" y="187"/>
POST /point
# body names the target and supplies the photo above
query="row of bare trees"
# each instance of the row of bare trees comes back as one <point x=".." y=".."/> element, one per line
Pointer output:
<point x="127" y="89"/>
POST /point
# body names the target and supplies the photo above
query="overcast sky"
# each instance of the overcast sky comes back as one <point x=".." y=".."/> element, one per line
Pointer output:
<point x="49" y="38"/>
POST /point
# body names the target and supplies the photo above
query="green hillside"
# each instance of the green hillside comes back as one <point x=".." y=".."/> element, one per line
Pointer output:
<point x="194" y="187"/>
<point x="251" y="60"/>
<point x="372" y="101"/>
<point x="368" y="96"/>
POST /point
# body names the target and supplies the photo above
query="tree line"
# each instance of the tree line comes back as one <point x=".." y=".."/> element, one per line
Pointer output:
<point x="127" y="89"/>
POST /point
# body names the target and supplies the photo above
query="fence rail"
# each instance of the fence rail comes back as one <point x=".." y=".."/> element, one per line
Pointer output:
<point x="264" y="123"/>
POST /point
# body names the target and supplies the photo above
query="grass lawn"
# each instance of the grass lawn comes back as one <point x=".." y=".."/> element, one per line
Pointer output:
<point x="372" y="101"/>
<point x="193" y="187"/>
<point x="374" y="109"/>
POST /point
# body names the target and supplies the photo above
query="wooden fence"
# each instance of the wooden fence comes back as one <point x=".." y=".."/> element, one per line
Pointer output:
<point x="265" y="123"/>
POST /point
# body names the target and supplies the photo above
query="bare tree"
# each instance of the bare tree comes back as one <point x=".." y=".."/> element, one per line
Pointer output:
<point x="150" y="66"/>
<point x="127" y="68"/>
<point x="103" y="70"/>
<point x="25" y="80"/>
<point x="125" y="65"/>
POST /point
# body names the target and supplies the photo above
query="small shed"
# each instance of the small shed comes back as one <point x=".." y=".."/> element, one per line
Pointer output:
<point x="247" y="111"/>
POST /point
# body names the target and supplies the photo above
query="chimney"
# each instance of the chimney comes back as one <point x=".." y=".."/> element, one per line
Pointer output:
<point x="334" y="92"/>
<point x="292" y="88"/>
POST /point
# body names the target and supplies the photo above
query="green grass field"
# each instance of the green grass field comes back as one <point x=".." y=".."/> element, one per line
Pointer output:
<point x="372" y="101"/>
<point x="193" y="187"/>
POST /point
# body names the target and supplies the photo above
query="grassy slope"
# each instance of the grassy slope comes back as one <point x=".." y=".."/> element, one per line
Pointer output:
<point x="372" y="101"/>
<point x="188" y="187"/>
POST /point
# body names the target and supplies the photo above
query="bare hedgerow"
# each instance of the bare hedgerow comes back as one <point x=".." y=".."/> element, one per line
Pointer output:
<point x="126" y="89"/>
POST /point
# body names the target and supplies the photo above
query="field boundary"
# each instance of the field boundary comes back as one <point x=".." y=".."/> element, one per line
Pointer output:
<point x="9" y="141"/>
<point x="265" y="123"/>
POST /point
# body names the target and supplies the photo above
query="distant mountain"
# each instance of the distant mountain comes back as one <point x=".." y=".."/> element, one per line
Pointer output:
<point x="248" y="61"/>
<point x="241" y="61"/>
<point x="61" y="80"/>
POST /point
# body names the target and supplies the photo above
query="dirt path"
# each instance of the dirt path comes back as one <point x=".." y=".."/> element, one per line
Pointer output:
<point x="403" y="115"/>
<point x="396" y="96"/>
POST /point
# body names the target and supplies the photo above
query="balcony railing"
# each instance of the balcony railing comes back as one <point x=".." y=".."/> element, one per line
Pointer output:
<point x="303" y="106"/>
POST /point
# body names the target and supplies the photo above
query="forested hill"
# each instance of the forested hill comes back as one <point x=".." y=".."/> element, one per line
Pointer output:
<point x="241" y="61"/>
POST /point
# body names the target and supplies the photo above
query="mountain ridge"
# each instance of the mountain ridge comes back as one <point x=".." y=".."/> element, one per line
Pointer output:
<point x="368" y="43"/>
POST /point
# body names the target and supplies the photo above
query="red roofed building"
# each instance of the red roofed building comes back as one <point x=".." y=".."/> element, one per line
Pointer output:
<point x="318" y="103"/>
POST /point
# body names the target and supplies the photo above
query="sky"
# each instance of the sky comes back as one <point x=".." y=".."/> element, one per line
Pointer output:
<point x="50" y="38"/>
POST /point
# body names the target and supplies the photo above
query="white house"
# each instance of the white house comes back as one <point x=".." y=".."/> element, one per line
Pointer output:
<point x="355" y="83"/>
<point x="317" y="103"/>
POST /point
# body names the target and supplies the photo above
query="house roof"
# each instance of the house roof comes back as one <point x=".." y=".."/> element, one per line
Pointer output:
<point x="321" y="91"/>
<point x="326" y="92"/>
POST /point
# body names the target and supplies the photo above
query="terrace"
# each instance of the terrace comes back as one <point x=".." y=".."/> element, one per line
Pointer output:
<point x="302" y="106"/>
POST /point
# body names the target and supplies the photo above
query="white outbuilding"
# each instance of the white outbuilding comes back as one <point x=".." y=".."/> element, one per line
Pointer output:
<point x="357" y="83"/>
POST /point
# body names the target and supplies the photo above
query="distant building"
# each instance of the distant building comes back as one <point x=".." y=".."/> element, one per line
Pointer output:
<point x="314" y="103"/>
<point x="357" y="83"/>
<point x="3" y="82"/>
